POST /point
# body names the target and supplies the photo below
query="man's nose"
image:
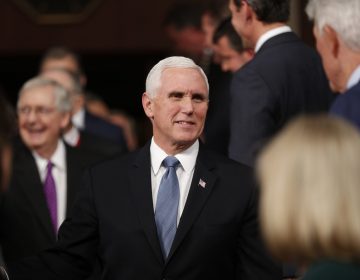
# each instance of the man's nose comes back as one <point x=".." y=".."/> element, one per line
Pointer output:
<point x="187" y="105"/>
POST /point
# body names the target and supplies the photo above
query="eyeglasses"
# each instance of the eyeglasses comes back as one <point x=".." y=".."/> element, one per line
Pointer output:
<point x="39" y="110"/>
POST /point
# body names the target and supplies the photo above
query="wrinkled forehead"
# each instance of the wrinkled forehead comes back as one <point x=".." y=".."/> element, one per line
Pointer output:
<point x="184" y="79"/>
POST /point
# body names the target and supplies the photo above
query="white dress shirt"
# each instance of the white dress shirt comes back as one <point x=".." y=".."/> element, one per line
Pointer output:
<point x="72" y="137"/>
<point x="269" y="34"/>
<point x="184" y="171"/>
<point x="78" y="119"/>
<point x="59" y="173"/>
<point x="354" y="78"/>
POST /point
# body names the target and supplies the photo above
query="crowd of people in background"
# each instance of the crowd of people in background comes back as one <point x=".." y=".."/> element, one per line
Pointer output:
<point x="282" y="124"/>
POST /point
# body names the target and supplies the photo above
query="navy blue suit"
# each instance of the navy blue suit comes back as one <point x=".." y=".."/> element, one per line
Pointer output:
<point x="104" y="129"/>
<point x="283" y="80"/>
<point x="347" y="105"/>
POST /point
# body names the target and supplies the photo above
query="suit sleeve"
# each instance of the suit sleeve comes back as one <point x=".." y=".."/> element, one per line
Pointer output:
<point x="251" y="116"/>
<point x="254" y="262"/>
<point x="74" y="254"/>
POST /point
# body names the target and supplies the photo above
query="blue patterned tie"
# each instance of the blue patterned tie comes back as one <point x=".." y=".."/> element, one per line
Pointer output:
<point x="167" y="205"/>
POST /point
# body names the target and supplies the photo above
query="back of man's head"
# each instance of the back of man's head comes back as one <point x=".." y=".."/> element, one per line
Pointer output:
<point x="269" y="11"/>
<point x="342" y="16"/>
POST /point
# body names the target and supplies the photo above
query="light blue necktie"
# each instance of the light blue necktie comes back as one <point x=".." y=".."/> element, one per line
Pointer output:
<point x="167" y="205"/>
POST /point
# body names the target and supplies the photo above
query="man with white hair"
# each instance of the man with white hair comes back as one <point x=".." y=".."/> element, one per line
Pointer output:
<point x="337" y="34"/>
<point x="46" y="173"/>
<point x="171" y="210"/>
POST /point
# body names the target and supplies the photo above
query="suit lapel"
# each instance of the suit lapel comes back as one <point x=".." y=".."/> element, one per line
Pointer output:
<point x="33" y="189"/>
<point x="196" y="199"/>
<point x="141" y="190"/>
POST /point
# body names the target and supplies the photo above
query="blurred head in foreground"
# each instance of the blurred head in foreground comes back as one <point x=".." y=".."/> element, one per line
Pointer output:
<point x="310" y="191"/>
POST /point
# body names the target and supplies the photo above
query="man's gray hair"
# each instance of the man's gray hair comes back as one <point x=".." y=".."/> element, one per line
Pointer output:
<point x="342" y="15"/>
<point x="62" y="96"/>
<point x="153" y="80"/>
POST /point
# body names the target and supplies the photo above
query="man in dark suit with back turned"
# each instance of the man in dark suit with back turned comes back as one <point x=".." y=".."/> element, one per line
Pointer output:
<point x="284" y="79"/>
<point x="171" y="210"/>
<point x="338" y="42"/>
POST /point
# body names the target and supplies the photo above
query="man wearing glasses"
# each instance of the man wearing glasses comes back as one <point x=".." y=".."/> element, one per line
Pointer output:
<point x="46" y="172"/>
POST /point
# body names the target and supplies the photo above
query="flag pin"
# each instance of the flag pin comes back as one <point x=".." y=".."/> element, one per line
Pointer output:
<point x="202" y="183"/>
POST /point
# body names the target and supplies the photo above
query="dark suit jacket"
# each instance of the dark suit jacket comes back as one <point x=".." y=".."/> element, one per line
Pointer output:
<point x="25" y="220"/>
<point x="100" y="146"/>
<point x="347" y="105"/>
<point x="284" y="79"/>
<point x="104" y="129"/>
<point x="217" y="126"/>
<point x="113" y="217"/>
<point x="333" y="270"/>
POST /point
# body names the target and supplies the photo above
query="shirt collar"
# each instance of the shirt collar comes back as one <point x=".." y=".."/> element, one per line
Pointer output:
<point x="269" y="34"/>
<point x="72" y="136"/>
<point x="58" y="158"/>
<point x="187" y="157"/>
<point x="78" y="119"/>
<point x="354" y="78"/>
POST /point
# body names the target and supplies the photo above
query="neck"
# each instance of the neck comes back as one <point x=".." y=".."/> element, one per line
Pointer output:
<point x="47" y="152"/>
<point x="349" y="61"/>
<point x="262" y="28"/>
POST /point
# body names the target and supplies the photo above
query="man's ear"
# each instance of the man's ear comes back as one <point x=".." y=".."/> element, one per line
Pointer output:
<point x="332" y="40"/>
<point x="247" y="10"/>
<point x="65" y="120"/>
<point x="147" y="105"/>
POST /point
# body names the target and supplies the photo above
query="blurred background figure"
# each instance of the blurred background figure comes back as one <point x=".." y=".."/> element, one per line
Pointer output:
<point x="310" y="197"/>
<point x="337" y="33"/>
<point x="7" y="132"/>
<point x="64" y="58"/>
<point x="74" y="136"/>
<point x="97" y="106"/>
<point x="229" y="48"/>
<point x="182" y="25"/>
<point x="46" y="173"/>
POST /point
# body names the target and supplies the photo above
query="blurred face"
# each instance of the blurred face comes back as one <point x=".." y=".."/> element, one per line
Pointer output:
<point x="67" y="63"/>
<point x="188" y="41"/>
<point x="208" y="26"/>
<point x="332" y="69"/>
<point x="178" y="110"/>
<point x="230" y="59"/>
<point x="40" y="123"/>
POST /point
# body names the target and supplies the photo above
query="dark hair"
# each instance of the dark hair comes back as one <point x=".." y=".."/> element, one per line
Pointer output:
<point x="61" y="52"/>
<point x="269" y="11"/>
<point x="226" y="29"/>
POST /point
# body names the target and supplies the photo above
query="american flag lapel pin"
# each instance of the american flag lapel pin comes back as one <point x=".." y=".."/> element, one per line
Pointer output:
<point x="202" y="183"/>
